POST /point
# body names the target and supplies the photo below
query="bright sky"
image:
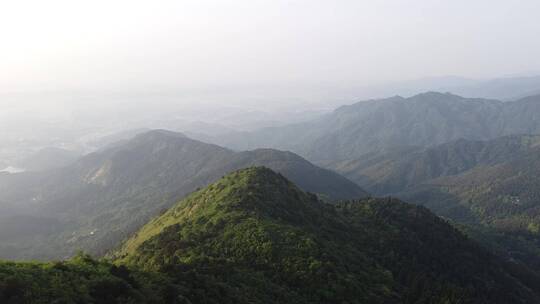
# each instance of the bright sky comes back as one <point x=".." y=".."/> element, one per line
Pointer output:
<point x="72" y="44"/>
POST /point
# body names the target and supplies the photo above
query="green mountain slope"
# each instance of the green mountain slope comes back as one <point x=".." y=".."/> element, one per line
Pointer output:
<point x="104" y="197"/>
<point x="262" y="240"/>
<point x="490" y="186"/>
<point x="80" y="280"/>
<point x="501" y="200"/>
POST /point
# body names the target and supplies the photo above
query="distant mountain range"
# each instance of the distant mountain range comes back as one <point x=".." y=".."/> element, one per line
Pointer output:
<point x="424" y="120"/>
<point x="506" y="88"/>
<point x="103" y="197"/>
<point x="394" y="171"/>
<point x="512" y="87"/>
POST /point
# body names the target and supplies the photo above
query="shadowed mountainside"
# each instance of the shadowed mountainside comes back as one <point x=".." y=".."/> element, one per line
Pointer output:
<point x="106" y="196"/>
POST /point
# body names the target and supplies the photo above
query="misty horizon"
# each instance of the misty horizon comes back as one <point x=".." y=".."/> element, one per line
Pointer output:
<point x="126" y="45"/>
<point x="69" y="61"/>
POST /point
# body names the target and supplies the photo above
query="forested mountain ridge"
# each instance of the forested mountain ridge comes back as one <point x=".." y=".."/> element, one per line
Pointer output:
<point x="106" y="196"/>
<point x="254" y="237"/>
<point x="501" y="201"/>
<point x="255" y="231"/>
<point x="423" y="120"/>
<point x="491" y="186"/>
<point x="394" y="171"/>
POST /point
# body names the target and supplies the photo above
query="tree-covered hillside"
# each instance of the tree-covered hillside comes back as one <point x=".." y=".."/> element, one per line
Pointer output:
<point x="501" y="203"/>
<point x="262" y="240"/>
<point x="254" y="237"/>
<point x="80" y="280"/>
<point x="489" y="186"/>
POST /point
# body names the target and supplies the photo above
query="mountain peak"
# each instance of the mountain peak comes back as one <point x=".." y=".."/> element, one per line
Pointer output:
<point x="252" y="178"/>
<point x="433" y="94"/>
<point x="363" y="103"/>
<point x="257" y="174"/>
<point x="255" y="192"/>
<point x="257" y="231"/>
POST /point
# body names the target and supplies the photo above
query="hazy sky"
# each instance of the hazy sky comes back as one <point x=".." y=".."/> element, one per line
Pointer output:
<point x="72" y="44"/>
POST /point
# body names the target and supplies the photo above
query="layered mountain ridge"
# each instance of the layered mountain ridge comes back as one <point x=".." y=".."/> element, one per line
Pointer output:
<point x="424" y="120"/>
<point x="393" y="171"/>
<point x="105" y="196"/>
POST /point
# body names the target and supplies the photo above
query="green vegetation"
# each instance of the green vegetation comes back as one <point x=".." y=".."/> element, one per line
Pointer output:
<point x="500" y="202"/>
<point x="491" y="186"/>
<point x="263" y="240"/>
<point x="79" y="280"/>
<point x="107" y="196"/>
<point x="254" y="237"/>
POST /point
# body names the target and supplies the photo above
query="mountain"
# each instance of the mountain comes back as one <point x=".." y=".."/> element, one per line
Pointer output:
<point x="423" y="120"/>
<point x="489" y="186"/>
<point x="105" y="196"/>
<point x="503" y="195"/>
<point x="501" y="201"/>
<point x="326" y="183"/>
<point x="508" y="88"/>
<point x="254" y="237"/>
<point x="116" y="138"/>
<point x="261" y="239"/>
<point x="396" y="170"/>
